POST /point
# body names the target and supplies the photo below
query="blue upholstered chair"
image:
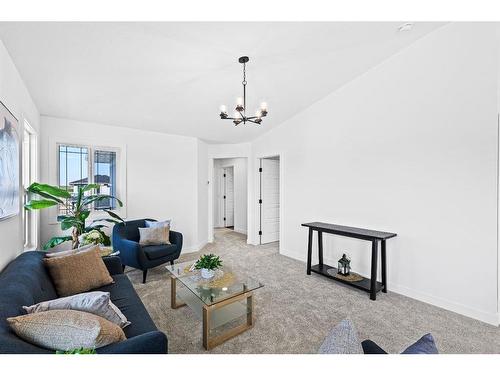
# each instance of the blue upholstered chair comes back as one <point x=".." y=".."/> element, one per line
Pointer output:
<point x="126" y="241"/>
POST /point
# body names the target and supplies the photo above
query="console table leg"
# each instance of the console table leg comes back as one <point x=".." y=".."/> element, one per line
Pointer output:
<point x="320" y="247"/>
<point x="384" y="267"/>
<point x="373" y="281"/>
<point x="309" y="251"/>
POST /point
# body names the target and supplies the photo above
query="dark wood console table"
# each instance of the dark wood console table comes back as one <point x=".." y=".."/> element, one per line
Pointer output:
<point x="370" y="285"/>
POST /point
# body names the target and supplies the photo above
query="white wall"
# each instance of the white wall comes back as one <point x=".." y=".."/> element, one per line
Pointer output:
<point x="408" y="147"/>
<point x="162" y="172"/>
<point x="15" y="96"/>
<point x="240" y="192"/>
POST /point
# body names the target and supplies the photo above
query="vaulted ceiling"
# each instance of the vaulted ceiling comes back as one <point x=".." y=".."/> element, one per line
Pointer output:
<point x="172" y="77"/>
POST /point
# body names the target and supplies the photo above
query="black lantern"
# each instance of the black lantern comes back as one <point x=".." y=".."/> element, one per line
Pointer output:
<point x="344" y="266"/>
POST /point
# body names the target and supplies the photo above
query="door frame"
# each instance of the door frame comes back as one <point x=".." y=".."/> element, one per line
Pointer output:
<point x="212" y="203"/>
<point x="224" y="200"/>
<point x="256" y="204"/>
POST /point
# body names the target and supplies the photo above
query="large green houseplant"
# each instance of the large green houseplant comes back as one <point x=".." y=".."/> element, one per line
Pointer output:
<point x="77" y="207"/>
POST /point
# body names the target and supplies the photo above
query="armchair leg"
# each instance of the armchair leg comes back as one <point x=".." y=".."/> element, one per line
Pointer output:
<point x="123" y="267"/>
<point x="172" y="262"/>
<point x="144" y="274"/>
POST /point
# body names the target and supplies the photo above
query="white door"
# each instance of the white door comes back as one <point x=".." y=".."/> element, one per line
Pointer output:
<point x="270" y="195"/>
<point x="229" y="197"/>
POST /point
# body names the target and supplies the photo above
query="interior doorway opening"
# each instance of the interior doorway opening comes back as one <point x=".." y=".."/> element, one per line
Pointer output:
<point x="269" y="200"/>
<point x="230" y="194"/>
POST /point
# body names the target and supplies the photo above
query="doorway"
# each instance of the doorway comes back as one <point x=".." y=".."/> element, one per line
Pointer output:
<point x="228" y="197"/>
<point x="269" y="200"/>
<point x="230" y="201"/>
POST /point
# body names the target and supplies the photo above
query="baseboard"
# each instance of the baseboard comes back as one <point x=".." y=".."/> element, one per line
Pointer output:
<point x="195" y="248"/>
<point x="484" y="316"/>
<point x="239" y="230"/>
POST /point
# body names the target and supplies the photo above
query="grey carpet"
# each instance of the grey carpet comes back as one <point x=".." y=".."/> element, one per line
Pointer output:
<point x="294" y="312"/>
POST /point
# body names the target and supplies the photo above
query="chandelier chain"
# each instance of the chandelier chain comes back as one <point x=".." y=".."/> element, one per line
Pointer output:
<point x="244" y="74"/>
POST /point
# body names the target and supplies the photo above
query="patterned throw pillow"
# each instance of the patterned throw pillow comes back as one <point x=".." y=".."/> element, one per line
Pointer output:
<point x="66" y="329"/>
<point x="154" y="236"/>
<point x="343" y="339"/>
<point x="97" y="303"/>
<point x="156" y="224"/>
<point x="77" y="273"/>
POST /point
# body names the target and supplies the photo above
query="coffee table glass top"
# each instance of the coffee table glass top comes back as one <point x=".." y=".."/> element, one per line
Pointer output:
<point x="223" y="285"/>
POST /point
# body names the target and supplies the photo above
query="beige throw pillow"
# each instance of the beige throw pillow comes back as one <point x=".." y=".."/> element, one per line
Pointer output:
<point x="66" y="330"/>
<point x="154" y="236"/>
<point x="97" y="303"/>
<point x="76" y="273"/>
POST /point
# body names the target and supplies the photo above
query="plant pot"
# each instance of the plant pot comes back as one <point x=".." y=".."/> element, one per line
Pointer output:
<point x="206" y="273"/>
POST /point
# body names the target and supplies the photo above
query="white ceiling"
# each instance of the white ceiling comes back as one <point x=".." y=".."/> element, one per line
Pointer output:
<point x="172" y="77"/>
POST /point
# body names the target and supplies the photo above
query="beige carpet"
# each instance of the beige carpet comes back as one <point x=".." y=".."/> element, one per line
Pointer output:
<point x="294" y="311"/>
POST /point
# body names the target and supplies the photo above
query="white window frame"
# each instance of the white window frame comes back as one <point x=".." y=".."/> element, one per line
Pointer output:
<point x="121" y="170"/>
<point x="30" y="218"/>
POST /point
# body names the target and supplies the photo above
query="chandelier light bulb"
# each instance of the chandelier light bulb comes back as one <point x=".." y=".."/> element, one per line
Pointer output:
<point x="239" y="101"/>
<point x="263" y="105"/>
<point x="223" y="108"/>
<point x="258" y="113"/>
<point x="236" y="115"/>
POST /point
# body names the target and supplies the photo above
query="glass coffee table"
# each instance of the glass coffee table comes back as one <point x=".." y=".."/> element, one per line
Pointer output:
<point x="224" y="302"/>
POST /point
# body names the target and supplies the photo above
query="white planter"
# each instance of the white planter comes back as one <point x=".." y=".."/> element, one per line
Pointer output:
<point x="207" y="274"/>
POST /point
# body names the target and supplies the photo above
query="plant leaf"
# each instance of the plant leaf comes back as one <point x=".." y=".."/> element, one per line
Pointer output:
<point x="54" y="241"/>
<point x="48" y="196"/>
<point x="71" y="222"/>
<point x="108" y="220"/>
<point x="100" y="197"/>
<point x="90" y="187"/>
<point x="112" y="214"/>
<point x="48" y="189"/>
<point x="39" y="204"/>
<point x="84" y="215"/>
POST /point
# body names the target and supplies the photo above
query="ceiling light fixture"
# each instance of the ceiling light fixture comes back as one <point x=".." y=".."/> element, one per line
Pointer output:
<point x="241" y="104"/>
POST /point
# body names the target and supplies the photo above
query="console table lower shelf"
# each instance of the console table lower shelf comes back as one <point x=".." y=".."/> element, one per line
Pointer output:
<point x="364" y="284"/>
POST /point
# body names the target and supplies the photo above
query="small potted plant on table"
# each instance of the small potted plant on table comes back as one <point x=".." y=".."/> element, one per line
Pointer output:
<point x="208" y="263"/>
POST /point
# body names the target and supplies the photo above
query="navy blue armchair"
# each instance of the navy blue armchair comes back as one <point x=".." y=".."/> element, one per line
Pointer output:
<point x="126" y="241"/>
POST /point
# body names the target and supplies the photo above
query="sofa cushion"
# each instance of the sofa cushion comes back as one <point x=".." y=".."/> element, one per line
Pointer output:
<point x="24" y="281"/>
<point x="159" y="251"/>
<point x="124" y="296"/>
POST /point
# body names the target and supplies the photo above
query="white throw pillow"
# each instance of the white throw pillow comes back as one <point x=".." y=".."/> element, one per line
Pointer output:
<point x="154" y="236"/>
<point x="157" y="224"/>
<point x="97" y="303"/>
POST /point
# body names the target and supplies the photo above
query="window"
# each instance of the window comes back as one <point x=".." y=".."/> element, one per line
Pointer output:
<point x="81" y="165"/>
<point x="29" y="163"/>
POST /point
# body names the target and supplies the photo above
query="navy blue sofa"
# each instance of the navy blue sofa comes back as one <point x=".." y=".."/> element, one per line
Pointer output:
<point x="126" y="241"/>
<point x="25" y="281"/>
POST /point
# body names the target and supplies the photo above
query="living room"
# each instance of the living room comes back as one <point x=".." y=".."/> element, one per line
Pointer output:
<point x="195" y="186"/>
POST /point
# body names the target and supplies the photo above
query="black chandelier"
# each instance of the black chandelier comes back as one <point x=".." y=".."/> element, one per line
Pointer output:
<point x="241" y="104"/>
